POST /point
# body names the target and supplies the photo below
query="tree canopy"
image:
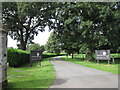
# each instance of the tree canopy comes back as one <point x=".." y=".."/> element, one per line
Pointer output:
<point x="76" y="25"/>
<point x="25" y="19"/>
<point x="53" y="44"/>
<point x="93" y="25"/>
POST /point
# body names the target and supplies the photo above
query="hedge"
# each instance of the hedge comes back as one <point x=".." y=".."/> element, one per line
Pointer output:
<point x="48" y="55"/>
<point x="17" y="57"/>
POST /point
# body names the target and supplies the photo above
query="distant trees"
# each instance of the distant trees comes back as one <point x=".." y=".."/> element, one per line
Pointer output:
<point x="53" y="44"/>
<point x="36" y="47"/>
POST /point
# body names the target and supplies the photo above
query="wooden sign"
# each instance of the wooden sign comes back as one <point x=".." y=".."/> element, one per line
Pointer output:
<point x="35" y="56"/>
<point x="102" y="55"/>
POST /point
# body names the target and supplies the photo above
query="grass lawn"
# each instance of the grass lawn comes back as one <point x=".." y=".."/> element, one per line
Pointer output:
<point x="31" y="77"/>
<point x="113" y="68"/>
<point x="115" y="55"/>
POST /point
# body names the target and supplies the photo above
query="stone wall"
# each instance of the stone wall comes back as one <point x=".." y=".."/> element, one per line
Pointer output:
<point x="3" y="58"/>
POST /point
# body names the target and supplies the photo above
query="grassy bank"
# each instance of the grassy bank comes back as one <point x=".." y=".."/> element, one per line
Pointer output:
<point x="115" y="55"/>
<point x="113" y="68"/>
<point x="31" y="77"/>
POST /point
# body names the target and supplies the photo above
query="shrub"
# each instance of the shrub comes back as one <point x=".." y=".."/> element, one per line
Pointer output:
<point x="48" y="55"/>
<point x="17" y="57"/>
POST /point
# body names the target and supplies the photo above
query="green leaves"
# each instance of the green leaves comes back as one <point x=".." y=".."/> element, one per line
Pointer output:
<point x="53" y="44"/>
<point x="96" y="27"/>
<point x="25" y="19"/>
<point x="36" y="47"/>
<point x="95" y="24"/>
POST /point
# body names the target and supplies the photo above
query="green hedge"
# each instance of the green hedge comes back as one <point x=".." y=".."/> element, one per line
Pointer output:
<point x="48" y="55"/>
<point x="17" y="57"/>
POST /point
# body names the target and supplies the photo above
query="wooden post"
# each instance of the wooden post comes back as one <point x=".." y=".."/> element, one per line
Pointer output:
<point x="40" y="63"/>
<point x="3" y="58"/>
<point x="108" y="62"/>
<point x="30" y="60"/>
<point x="72" y="55"/>
<point x="97" y="61"/>
<point x="113" y="60"/>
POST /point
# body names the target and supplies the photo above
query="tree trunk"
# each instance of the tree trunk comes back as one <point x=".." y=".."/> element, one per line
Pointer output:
<point x="22" y="46"/>
<point x="78" y="52"/>
<point x="67" y="54"/>
<point x="23" y="42"/>
<point x="89" y="56"/>
<point x="72" y="56"/>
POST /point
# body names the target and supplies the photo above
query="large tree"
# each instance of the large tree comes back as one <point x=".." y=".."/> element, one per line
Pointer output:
<point x="95" y="25"/>
<point x="90" y="24"/>
<point x="25" y="19"/>
<point x="53" y="44"/>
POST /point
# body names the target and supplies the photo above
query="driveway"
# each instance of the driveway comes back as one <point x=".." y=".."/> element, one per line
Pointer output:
<point x="70" y="75"/>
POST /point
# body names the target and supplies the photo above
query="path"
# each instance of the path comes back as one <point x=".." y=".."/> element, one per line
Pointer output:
<point x="70" y="75"/>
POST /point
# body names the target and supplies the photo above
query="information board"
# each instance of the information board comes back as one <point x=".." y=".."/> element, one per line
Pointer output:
<point x="35" y="55"/>
<point x="102" y="54"/>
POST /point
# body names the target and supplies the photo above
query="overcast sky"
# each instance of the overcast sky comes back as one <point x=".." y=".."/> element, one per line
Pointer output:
<point x="41" y="38"/>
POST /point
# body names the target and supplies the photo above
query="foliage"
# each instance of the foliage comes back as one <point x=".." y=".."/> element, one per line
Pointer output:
<point x="89" y="25"/>
<point x="42" y="48"/>
<point x="47" y="55"/>
<point x="17" y="57"/>
<point x="24" y="20"/>
<point x="31" y="77"/>
<point x="53" y="44"/>
<point x="81" y="25"/>
<point x="36" y="47"/>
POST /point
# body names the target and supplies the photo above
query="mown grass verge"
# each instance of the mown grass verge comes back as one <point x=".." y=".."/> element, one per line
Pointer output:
<point x="113" y="68"/>
<point x="115" y="55"/>
<point x="31" y="77"/>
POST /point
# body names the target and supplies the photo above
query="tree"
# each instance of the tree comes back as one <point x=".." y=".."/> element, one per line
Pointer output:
<point x="53" y="44"/>
<point x="111" y="26"/>
<point x="95" y="25"/>
<point x="42" y="48"/>
<point x="25" y="19"/>
<point x="88" y="24"/>
<point x="36" y="47"/>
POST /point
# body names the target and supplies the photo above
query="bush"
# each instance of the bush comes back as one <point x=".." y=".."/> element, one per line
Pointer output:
<point x="48" y="55"/>
<point x="17" y="57"/>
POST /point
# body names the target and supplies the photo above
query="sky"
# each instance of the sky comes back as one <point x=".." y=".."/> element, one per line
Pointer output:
<point x="41" y="38"/>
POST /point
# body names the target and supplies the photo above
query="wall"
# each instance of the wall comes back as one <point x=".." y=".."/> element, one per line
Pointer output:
<point x="3" y="58"/>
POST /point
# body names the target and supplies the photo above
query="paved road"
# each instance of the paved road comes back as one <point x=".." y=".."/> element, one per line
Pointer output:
<point x="70" y="75"/>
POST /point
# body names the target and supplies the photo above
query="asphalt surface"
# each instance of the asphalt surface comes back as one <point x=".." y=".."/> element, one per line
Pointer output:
<point x="70" y="75"/>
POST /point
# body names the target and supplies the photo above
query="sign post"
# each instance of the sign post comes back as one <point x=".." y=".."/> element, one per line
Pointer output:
<point x="35" y="56"/>
<point x="102" y="55"/>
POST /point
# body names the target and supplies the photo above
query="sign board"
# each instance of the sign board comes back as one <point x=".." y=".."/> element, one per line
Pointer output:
<point x="102" y="54"/>
<point x="35" y="55"/>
